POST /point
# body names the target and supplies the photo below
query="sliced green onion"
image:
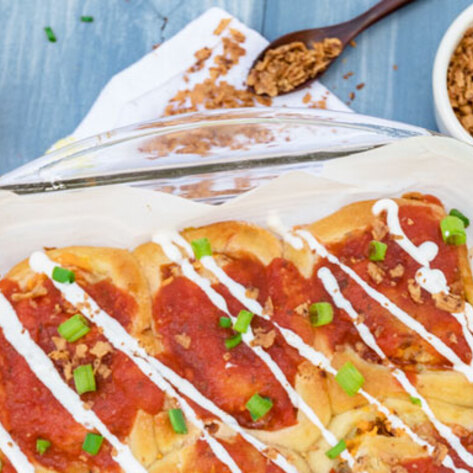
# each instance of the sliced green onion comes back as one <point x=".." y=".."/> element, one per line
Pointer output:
<point x="415" y="400"/>
<point x="349" y="378"/>
<point x="63" y="275"/>
<point x="177" y="421"/>
<point x="463" y="218"/>
<point x="233" y="341"/>
<point x="243" y="321"/>
<point x="259" y="406"/>
<point x="92" y="443"/>
<point x="321" y="313"/>
<point x="377" y="250"/>
<point x="42" y="445"/>
<point x="225" y="322"/>
<point x="84" y="379"/>
<point x="453" y="231"/>
<point x="201" y="248"/>
<point x="50" y="34"/>
<point x="87" y="19"/>
<point x="74" y="328"/>
<point x="336" y="450"/>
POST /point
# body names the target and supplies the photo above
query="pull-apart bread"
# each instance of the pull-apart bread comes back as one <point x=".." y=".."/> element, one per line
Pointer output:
<point x="335" y="346"/>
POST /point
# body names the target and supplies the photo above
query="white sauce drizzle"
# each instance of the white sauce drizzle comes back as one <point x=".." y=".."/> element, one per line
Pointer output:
<point x="427" y="251"/>
<point x="332" y="287"/>
<point x="432" y="280"/>
<point x="12" y="451"/>
<point x="404" y="317"/>
<point x="166" y="240"/>
<point x="124" y="342"/>
<point x="45" y="371"/>
<point x="275" y="224"/>
<point x="318" y="359"/>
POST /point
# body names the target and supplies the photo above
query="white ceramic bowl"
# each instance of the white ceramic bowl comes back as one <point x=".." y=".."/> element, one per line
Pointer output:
<point x="444" y="115"/>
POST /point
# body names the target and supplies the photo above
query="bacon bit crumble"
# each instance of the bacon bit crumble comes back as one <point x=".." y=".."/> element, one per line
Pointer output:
<point x="440" y="452"/>
<point x="36" y="291"/>
<point x="375" y="272"/>
<point x="414" y="291"/>
<point x="448" y="302"/>
<point x="263" y="338"/>
<point x="252" y="292"/>
<point x="184" y="340"/>
<point x="397" y="271"/>
<point x="360" y="86"/>
<point x="221" y="26"/>
<point x="238" y="36"/>
<point x="284" y="68"/>
<point x="268" y="308"/>
<point x="59" y="342"/>
<point x="81" y="350"/>
<point x="460" y="81"/>
<point x="100" y="349"/>
<point x="379" y="230"/>
<point x="302" y="309"/>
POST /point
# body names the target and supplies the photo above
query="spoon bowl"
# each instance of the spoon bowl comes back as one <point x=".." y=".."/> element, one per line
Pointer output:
<point x="345" y="32"/>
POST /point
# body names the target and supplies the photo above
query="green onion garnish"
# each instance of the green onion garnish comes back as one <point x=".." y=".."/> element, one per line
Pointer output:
<point x="321" y="313"/>
<point x="74" y="328"/>
<point x="243" y="321"/>
<point x="177" y="421"/>
<point x="42" y="445"/>
<point x="225" y="322"/>
<point x="415" y="400"/>
<point x="201" y="248"/>
<point x="87" y="19"/>
<point x="63" y="275"/>
<point x="92" y="443"/>
<point x="84" y="379"/>
<point x="377" y="250"/>
<point x="233" y="341"/>
<point x="453" y="230"/>
<point x="50" y="34"/>
<point x="336" y="450"/>
<point x="259" y="406"/>
<point x="349" y="378"/>
<point x="463" y="218"/>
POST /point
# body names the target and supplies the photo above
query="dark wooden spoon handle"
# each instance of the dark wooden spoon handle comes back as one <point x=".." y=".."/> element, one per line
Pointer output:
<point x="380" y="10"/>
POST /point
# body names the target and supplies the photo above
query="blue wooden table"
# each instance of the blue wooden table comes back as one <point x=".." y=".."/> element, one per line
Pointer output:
<point x="46" y="88"/>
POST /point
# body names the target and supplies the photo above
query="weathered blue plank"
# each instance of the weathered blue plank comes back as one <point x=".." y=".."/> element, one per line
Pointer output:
<point x="45" y="88"/>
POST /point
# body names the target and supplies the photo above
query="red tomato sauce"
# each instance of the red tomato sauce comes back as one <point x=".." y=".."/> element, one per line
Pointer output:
<point x="182" y="308"/>
<point x="29" y="411"/>
<point x="288" y="289"/>
<point x="253" y="274"/>
<point x="397" y="340"/>
<point x="246" y="457"/>
<point x="126" y="390"/>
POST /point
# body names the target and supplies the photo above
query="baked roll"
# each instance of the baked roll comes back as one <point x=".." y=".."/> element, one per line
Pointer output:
<point x="339" y="345"/>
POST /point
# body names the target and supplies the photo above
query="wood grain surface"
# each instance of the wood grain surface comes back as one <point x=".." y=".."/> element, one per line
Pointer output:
<point x="46" y="88"/>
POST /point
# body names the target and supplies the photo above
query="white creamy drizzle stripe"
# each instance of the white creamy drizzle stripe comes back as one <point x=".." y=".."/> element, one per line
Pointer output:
<point x="404" y="317"/>
<point x="167" y="241"/>
<point x="45" y="371"/>
<point x="121" y="340"/>
<point x="318" y="359"/>
<point x="432" y="280"/>
<point x="331" y="286"/>
<point x="12" y="451"/>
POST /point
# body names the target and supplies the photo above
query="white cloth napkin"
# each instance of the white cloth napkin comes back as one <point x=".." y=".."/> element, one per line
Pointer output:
<point x="142" y="91"/>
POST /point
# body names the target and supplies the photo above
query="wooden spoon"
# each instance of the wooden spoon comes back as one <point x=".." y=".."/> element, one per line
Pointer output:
<point x="345" y="32"/>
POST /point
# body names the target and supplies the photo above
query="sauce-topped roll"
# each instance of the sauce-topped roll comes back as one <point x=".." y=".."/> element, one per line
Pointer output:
<point x="342" y="345"/>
